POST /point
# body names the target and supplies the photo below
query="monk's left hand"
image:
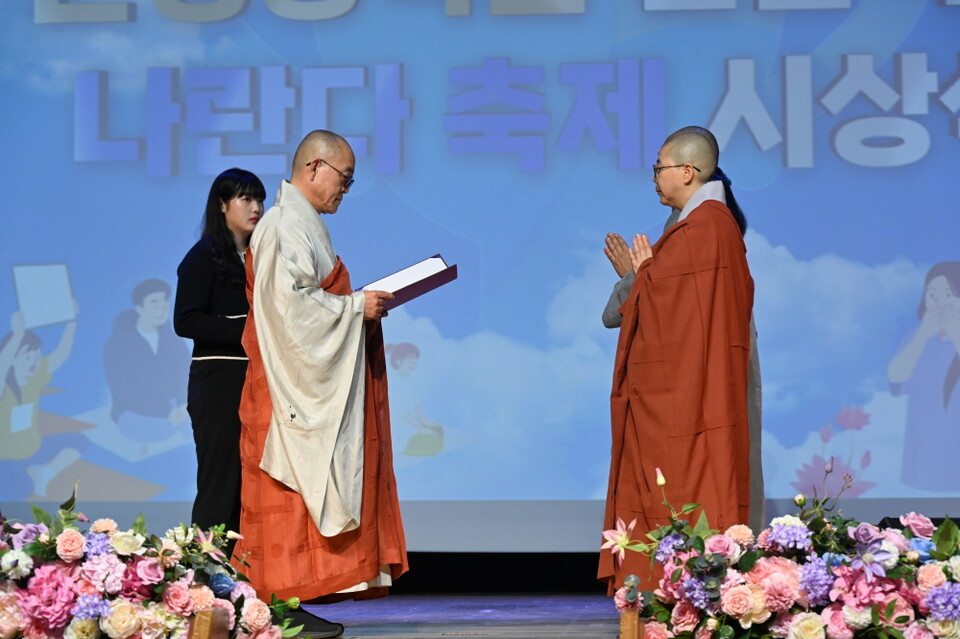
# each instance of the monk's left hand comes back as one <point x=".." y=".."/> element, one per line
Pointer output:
<point x="641" y="251"/>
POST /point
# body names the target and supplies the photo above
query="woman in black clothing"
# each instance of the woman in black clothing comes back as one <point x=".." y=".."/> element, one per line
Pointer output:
<point x="210" y="308"/>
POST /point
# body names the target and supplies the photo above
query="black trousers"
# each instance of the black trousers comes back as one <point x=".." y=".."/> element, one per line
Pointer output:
<point x="213" y="399"/>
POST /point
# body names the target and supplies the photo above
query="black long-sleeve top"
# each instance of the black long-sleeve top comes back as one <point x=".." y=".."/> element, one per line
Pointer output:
<point x="205" y="303"/>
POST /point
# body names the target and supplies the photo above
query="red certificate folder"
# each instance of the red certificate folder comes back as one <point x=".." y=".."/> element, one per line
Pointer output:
<point x="414" y="281"/>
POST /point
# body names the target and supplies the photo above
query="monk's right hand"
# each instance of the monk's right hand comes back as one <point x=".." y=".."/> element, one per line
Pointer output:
<point x="641" y="251"/>
<point x="373" y="304"/>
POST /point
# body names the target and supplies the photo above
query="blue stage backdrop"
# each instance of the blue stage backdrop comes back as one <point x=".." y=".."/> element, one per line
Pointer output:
<point x="510" y="136"/>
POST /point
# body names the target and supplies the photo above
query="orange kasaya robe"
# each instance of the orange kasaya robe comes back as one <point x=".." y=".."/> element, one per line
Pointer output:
<point x="284" y="550"/>
<point x="679" y="398"/>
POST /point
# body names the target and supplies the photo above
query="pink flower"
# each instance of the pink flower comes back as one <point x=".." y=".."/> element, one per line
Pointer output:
<point x="104" y="571"/>
<point x="232" y="616"/>
<point x="48" y="598"/>
<point x="852" y="418"/>
<point x="618" y="539"/>
<point x="920" y="525"/>
<point x="896" y="538"/>
<point x="780" y="627"/>
<point x="149" y="571"/>
<point x="837" y="628"/>
<point x="930" y="576"/>
<point x="826" y="434"/>
<point x="242" y="589"/>
<point x="703" y="633"/>
<point x="741" y="534"/>
<point x="202" y="597"/>
<point x="255" y="615"/>
<point x="767" y="566"/>
<point x="170" y="553"/>
<point x="901" y="610"/>
<point x="684" y="617"/>
<point x="737" y="601"/>
<point x="269" y="632"/>
<point x="176" y="598"/>
<point x="71" y="545"/>
<point x="917" y="631"/>
<point x="11" y="620"/>
<point x="852" y="588"/>
<point x="780" y="591"/>
<point x="207" y="546"/>
<point x="724" y="546"/>
<point x="657" y="630"/>
<point x="133" y="588"/>
<point x="107" y="526"/>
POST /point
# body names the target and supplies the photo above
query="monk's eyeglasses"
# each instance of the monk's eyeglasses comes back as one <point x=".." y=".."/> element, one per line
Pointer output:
<point x="347" y="179"/>
<point x="657" y="169"/>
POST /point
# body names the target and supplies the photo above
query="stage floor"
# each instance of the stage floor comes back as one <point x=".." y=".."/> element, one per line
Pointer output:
<point x="482" y="616"/>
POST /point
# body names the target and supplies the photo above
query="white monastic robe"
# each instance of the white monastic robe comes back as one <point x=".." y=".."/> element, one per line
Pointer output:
<point x="312" y="345"/>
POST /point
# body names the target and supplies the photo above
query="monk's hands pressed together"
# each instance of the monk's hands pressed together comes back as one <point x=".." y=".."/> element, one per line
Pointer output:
<point x="641" y="251"/>
<point x="618" y="253"/>
<point x="373" y="304"/>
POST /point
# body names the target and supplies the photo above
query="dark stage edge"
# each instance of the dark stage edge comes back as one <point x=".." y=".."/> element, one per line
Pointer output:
<point x="470" y="615"/>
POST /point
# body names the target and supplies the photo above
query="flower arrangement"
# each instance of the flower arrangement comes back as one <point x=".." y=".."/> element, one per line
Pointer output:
<point x="814" y="575"/>
<point x="59" y="581"/>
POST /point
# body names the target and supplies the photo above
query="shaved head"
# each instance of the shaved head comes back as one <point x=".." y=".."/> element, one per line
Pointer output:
<point x="694" y="145"/>
<point x="316" y="144"/>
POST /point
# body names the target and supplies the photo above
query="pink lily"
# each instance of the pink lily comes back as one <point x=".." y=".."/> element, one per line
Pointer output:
<point x="207" y="546"/>
<point x="618" y="539"/>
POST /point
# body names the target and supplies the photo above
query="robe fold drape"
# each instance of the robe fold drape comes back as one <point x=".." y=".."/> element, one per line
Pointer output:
<point x="679" y="397"/>
<point x="283" y="547"/>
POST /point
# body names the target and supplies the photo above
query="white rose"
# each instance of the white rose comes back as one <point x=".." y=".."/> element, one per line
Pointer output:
<point x="82" y="629"/>
<point x="856" y="618"/>
<point x="127" y="543"/>
<point x="946" y="628"/>
<point x="891" y="562"/>
<point x="806" y="625"/>
<point x="954" y="564"/>
<point x="786" y="520"/>
<point x="122" y="620"/>
<point x="17" y="564"/>
<point x="181" y="535"/>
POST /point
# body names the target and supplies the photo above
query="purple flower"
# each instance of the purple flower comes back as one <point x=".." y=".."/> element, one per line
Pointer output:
<point x="90" y="607"/>
<point x="944" y="601"/>
<point x="790" y="537"/>
<point x="27" y="534"/>
<point x="696" y="593"/>
<point x="816" y="580"/>
<point x="97" y="544"/>
<point x="668" y="546"/>
<point x="870" y="558"/>
<point x="864" y="533"/>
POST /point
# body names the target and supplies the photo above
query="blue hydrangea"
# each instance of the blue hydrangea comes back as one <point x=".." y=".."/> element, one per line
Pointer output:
<point x="97" y="544"/>
<point x="90" y="607"/>
<point x="668" y="546"/>
<point x="816" y="580"/>
<point x="790" y="537"/>
<point x="944" y="602"/>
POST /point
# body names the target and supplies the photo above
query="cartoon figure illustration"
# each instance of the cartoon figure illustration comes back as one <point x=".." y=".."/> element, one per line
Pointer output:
<point x="146" y="366"/>
<point x="25" y="372"/>
<point x="427" y="438"/>
<point x="926" y="370"/>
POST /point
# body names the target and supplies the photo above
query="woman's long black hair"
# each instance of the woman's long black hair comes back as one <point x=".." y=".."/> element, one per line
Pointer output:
<point x="228" y="185"/>
<point x="731" y="201"/>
